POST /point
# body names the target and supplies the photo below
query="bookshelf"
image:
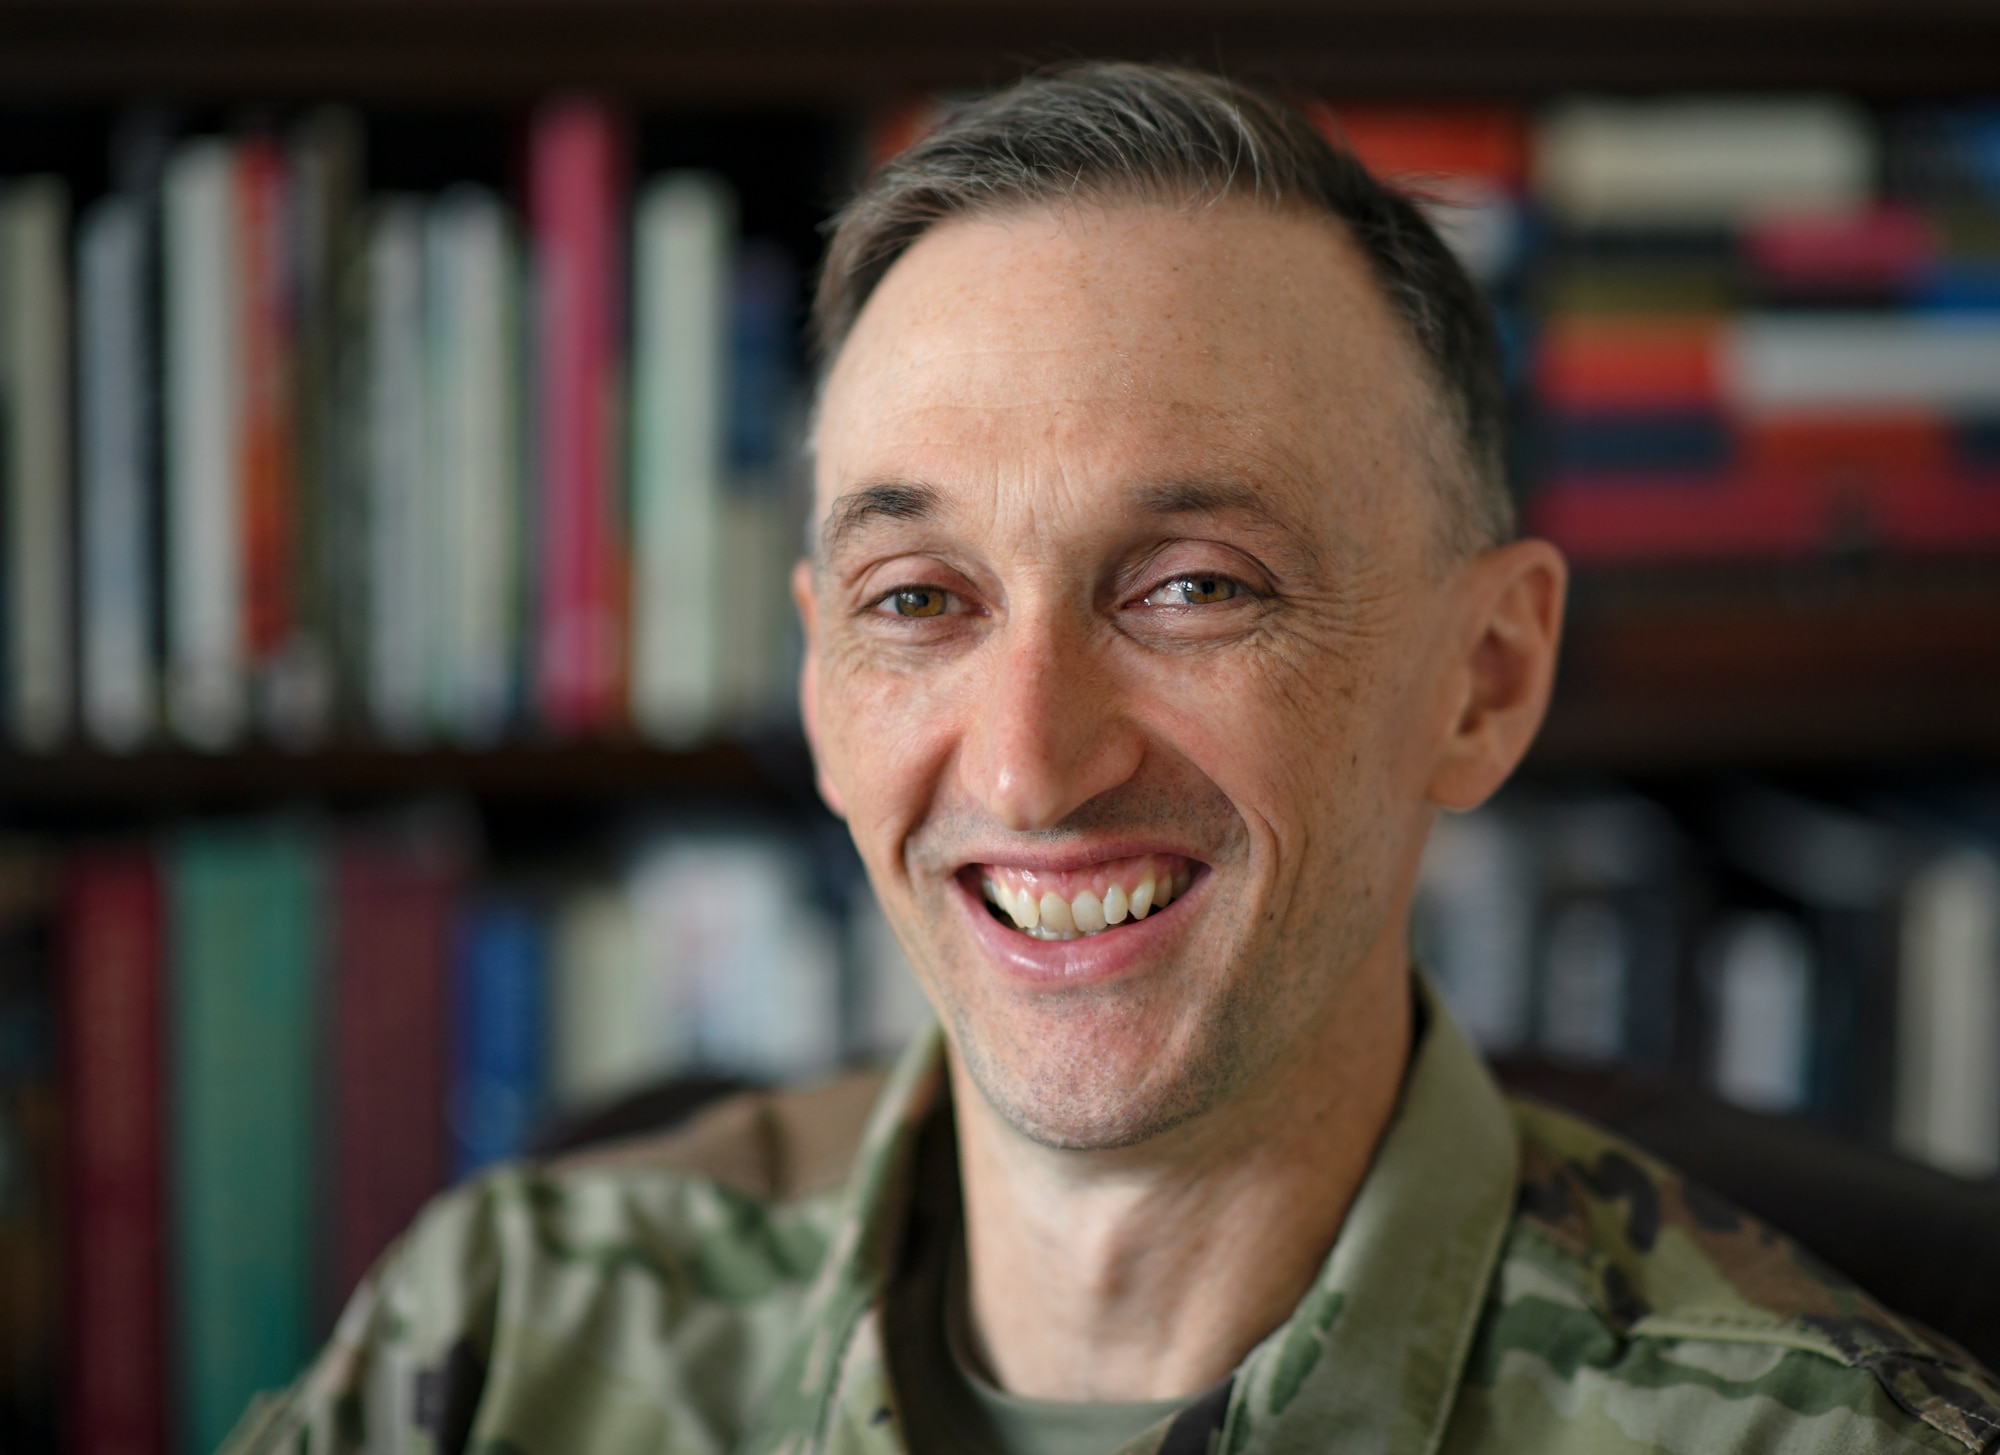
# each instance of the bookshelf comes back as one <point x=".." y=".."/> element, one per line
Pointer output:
<point x="762" y="52"/>
<point x="1688" y="681"/>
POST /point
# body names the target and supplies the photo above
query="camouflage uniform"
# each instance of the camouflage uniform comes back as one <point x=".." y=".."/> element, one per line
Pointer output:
<point x="1508" y="1279"/>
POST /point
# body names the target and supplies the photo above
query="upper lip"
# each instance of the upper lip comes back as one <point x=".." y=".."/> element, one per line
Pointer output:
<point x="1071" y="858"/>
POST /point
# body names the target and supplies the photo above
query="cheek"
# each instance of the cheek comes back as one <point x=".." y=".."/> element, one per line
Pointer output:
<point x="884" y="736"/>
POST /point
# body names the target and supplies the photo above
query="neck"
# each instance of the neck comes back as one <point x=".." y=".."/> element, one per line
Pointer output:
<point x="1150" y="1272"/>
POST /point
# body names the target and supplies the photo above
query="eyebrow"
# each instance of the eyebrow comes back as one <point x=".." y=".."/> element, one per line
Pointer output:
<point x="1219" y="497"/>
<point x="883" y="500"/>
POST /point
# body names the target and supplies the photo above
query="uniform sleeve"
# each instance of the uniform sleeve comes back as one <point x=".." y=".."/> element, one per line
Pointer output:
<point x="406" y="1366"/>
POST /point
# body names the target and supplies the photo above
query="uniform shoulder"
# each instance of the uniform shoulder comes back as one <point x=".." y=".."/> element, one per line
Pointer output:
<point x="774" y="1145"/>
<point x="1659" y="1259"/>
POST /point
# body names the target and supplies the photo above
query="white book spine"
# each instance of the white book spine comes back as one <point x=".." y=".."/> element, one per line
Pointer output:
<point x="400" y="626"/>
<point x="1477" y="892"/>
<point x="602" y="1042"/>
<point x="1780" y="363"/>
<point x="117" y="596"/>
<point x="1702" y="162"/>
<point x="683" y="255"/>
<point x="203" y="392"/>
<point x="1763" y="982"/>
<point x="36" y="370"/>
<point x="1947" y="1109"/>
<point x="475" y="461"/>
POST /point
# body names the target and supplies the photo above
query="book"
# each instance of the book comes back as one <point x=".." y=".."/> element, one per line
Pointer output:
<point x="604" y="1041"/>
<point x="1947" y="1107"/>
<point x="34" y="1231"/>
<point x="734" y="951"/>
<point x="1612" y="929"/>
<point x="888" y="1007"/>
<point x="684" y="242"/>
<point x="473" y="525"/>
<point x="35" y="485"/>
<point x="116" y="499"/>
<point x="763" y="523"/>
<point x="114" y="1030"/>
<point x="399" y="553"/>
<point x="330" y="287"/>
<point x="266" y="442"/>
<point x="207" y="686"/>
<point x="245" y="924"/>
<point x="1761" y="976"/>
<point x="1839" y="362"/>
<point x="395" y="906"/>
<point x="499" y="1055"/>
<point x="1474" y="920"/>
<point x="1699" y="160"/>
<point x="575" y="207"/>
<point x="1587" y="364"/>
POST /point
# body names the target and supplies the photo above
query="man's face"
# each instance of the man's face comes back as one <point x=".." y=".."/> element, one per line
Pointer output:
<point x="1129" y="598"/>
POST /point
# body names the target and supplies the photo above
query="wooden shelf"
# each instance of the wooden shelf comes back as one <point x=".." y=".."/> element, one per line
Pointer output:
<point x="1805" y="667"/>
<point x="1775" y="668"/>
<point x="761" y="52"/>
<point x="772" y="769"/>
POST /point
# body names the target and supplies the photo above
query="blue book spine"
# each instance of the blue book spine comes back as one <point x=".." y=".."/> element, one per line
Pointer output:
<point x="498" y="1057"/>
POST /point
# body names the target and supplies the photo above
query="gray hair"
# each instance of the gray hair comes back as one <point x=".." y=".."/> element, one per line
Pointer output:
<point x="1179" y="137"/>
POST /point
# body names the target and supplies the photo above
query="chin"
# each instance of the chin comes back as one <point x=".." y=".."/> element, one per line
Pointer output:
<point x="1091" y="1080"/>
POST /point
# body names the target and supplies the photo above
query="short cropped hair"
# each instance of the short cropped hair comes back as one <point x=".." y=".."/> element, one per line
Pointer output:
<point x="1111" y="130"/>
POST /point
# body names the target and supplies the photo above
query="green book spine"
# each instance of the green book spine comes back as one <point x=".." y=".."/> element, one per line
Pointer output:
<point x="245" y="924"/>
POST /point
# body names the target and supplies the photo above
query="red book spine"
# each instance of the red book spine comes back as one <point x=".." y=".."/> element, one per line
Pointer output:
<point x="575" y="203"/>
<point x="269" y="527"/>
<point x="1666" y="365"/>
<point x="113" y="1027"/>
<point x="393" y="906"/>
<point x="1709" y="517"/>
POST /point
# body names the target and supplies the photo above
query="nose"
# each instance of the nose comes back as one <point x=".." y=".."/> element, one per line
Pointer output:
<point x="1048" y="730"/>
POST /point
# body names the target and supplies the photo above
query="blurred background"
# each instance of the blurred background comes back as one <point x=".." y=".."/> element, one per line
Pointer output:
<point x="399" y="418"/>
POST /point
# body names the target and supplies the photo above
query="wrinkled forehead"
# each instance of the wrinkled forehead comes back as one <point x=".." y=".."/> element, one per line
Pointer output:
<point x="1232" y="338"/>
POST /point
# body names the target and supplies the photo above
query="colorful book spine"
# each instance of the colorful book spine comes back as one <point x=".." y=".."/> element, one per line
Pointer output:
<point x="266" y="443"/>
<point x="576" y="207"/>
<point x="35" y="458"/>
<point x="394" y="905"/>
<point x="685" y="245"/>
<point x="244" y="929"/>
<point x="207" y="684"/>
<point x="499" y="1060"/>
<point x="115" y="514"/>
<point x="114" y="1020"/>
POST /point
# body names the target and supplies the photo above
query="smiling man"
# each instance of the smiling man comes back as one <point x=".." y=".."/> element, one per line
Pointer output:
<point x="1163" y="589"/>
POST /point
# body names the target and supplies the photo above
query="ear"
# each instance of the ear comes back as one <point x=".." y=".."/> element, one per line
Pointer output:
<point x="808" y="604"/>
<point x="1514" y="596"/>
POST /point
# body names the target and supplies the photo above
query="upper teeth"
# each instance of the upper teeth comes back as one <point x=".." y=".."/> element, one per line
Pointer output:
<point x="1049" y="916"/>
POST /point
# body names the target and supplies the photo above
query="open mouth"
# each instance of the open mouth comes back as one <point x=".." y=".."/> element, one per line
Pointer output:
<point x="1074" y="904"/>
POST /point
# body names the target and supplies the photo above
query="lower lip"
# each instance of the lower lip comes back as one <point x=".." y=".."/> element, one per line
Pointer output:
<point x="1086" y="960"/>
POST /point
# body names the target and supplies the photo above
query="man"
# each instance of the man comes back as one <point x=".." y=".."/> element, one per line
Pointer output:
<point x="1163" y="589"/>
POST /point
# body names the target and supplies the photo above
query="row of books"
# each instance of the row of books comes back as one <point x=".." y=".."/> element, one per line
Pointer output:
<point x="1744" y="327"/>
<point x="287" y="458"/>
<point x="1794" y="955"/>
<point x="269" y="1042"/>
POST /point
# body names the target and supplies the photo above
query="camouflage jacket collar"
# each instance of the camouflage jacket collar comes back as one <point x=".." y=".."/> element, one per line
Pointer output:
<point x="1369" y="1360"/>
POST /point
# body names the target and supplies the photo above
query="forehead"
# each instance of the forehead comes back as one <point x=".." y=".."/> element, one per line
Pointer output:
<point x="1108" y="341"/>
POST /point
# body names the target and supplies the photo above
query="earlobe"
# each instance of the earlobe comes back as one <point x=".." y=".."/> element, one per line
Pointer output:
<point x="808" y="604"/>
<point x="1515" y="601"/>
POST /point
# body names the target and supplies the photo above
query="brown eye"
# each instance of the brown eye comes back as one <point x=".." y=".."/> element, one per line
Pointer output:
<point x="1192" y="591"/>
<point x="917" y="601"/>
